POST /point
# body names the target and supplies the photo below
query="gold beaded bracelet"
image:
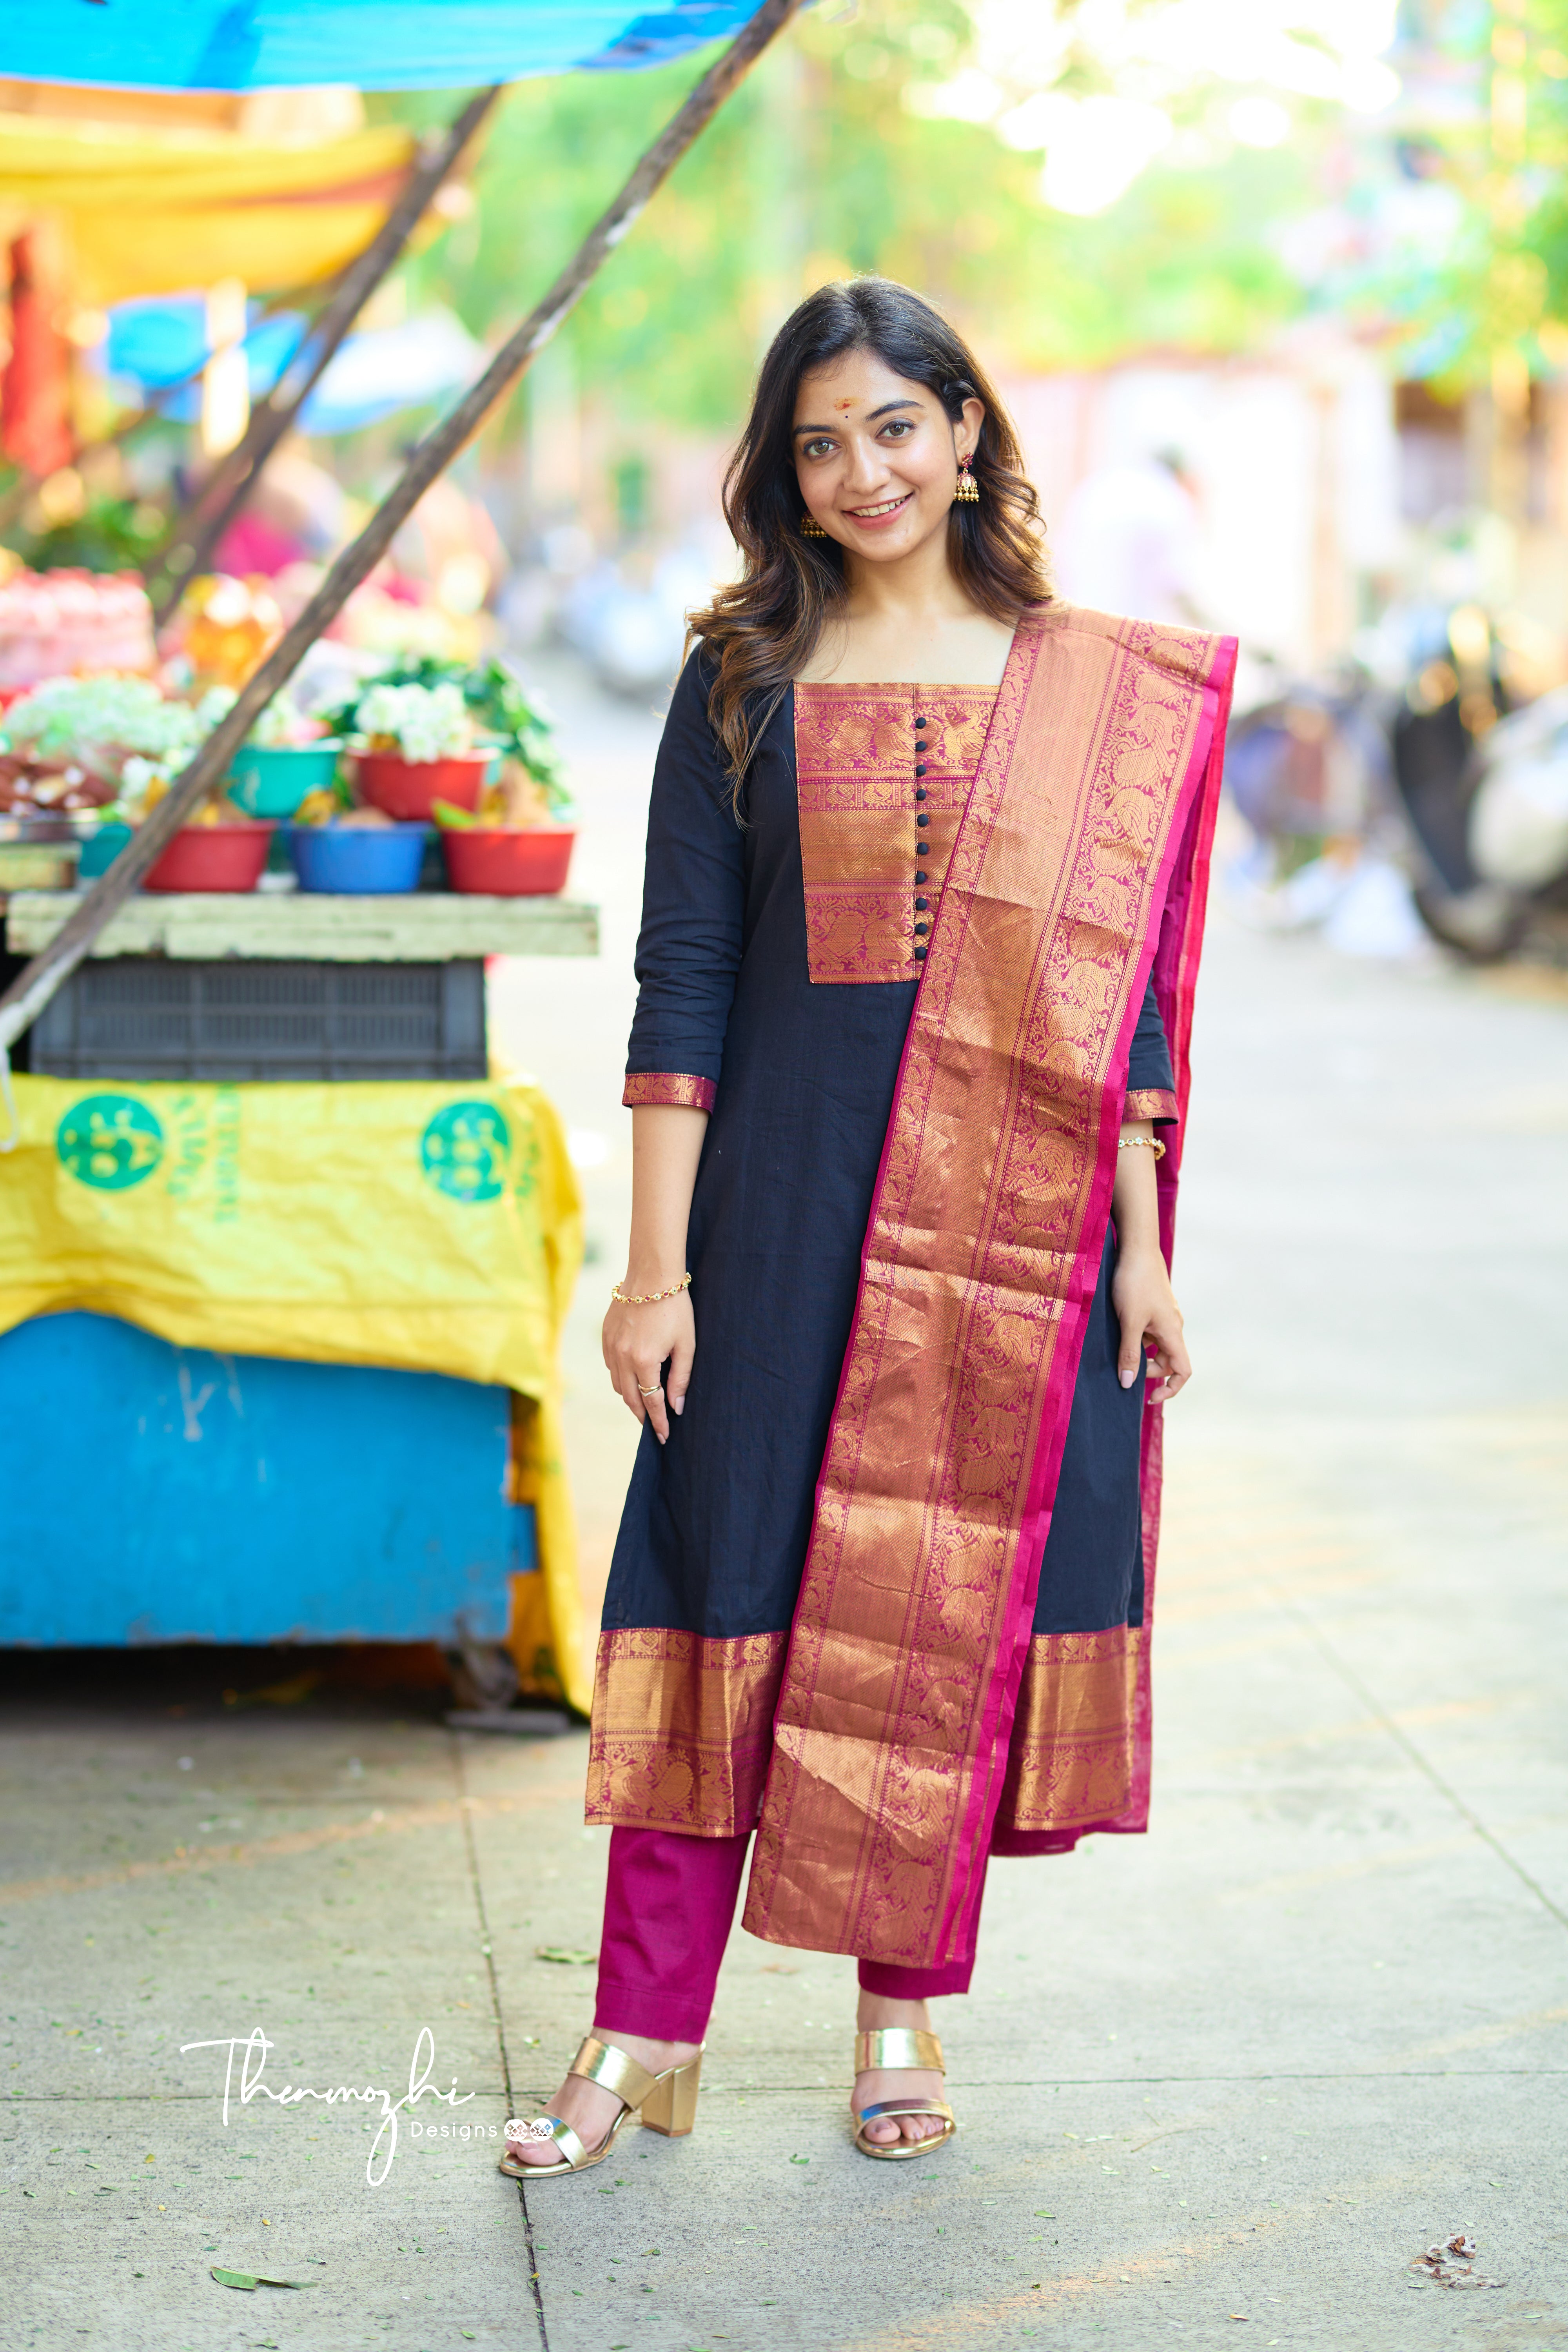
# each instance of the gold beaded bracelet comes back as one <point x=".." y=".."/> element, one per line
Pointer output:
<point x="652" y="1297"/>
<point x="1141" y="1143"/>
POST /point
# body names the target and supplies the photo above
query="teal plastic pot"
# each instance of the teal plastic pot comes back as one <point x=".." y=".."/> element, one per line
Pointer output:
<point x="272" y="780"/>
<point x="99" y="849"/>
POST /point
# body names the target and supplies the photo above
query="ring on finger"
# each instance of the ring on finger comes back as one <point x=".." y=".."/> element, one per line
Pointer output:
<point x="656" y="1389"/>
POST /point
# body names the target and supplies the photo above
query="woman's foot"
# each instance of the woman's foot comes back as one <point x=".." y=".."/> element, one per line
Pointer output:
<point x="879" y="2085"/>
<point x="591" y="2110"/>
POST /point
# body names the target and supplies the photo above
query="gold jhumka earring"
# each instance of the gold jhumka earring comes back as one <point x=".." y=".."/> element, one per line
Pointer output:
<point x="968" y="490"/>
<point x="810" y="527"/>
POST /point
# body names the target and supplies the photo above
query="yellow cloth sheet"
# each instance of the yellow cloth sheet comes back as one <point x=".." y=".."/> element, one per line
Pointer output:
<point x="429" y="1227"/>
<point x="159" y="212"/>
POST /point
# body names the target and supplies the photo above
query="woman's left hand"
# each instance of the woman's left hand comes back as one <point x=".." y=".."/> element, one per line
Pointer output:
<point x="1150" y="1320"/>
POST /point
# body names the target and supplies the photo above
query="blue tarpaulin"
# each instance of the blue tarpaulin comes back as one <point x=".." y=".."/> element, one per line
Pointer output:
<point x="163" y="339"/>
<point x="373" y="44"/>
<point x="382" y="369"/>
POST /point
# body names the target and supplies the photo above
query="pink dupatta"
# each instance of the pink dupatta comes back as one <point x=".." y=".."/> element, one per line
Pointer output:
<point x="1080" y="864"/>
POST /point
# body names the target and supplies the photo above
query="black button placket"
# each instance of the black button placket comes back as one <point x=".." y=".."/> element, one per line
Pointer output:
<point x="922" y="821"/>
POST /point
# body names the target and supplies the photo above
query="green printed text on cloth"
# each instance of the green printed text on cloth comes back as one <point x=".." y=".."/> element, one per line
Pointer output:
<point x="427" y="1227"/>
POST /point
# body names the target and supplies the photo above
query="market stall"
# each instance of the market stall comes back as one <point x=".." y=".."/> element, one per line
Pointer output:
<point x="295" y="1256"/>
<point x="316" y="1223"/>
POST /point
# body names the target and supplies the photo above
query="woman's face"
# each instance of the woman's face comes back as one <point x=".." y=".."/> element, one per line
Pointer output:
<point x="877" y="456"/>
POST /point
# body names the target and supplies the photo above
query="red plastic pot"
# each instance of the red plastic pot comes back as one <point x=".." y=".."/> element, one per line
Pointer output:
<point x="406" y="788"/>
<point x="212" y="858"/>
<point x="509" y="862"/>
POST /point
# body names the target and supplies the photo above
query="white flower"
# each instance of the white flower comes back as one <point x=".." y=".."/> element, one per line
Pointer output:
<point x="426" y="723"/>
<point x="277" y="726"/>
<point x="96" y="722"/>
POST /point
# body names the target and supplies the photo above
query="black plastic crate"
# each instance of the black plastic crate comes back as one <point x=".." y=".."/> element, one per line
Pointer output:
<point x="149" y="1017"/>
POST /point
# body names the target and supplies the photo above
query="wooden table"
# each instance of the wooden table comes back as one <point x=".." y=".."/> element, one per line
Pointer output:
<point x="416" y="927"/>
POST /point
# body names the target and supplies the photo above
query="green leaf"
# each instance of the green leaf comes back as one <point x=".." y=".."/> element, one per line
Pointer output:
<point x="566" y="1954"/>
<point x="451" y="819"/>
<point x="248" y="2280"/>
<point x="800" y="2159"/>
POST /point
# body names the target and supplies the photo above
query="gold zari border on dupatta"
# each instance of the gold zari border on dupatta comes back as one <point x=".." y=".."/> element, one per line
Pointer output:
<point x="681" y="1728"/>
<point x="912" y="1627"/>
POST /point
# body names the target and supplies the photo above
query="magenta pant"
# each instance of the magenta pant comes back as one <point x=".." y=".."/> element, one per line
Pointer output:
<point x="669" y="1904"/>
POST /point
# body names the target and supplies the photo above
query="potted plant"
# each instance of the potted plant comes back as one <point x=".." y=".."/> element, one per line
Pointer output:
<point x="517" y="839"/>
<point x="285" y="756"/>
<point x="414" y="745"/>
<point x="354" y="851"/>
<point x="488" y="855"/>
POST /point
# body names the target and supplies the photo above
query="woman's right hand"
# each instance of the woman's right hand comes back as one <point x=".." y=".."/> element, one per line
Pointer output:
<point x="639" y="1341"/>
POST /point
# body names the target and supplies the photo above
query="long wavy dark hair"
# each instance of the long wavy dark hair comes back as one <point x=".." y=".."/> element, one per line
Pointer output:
<point x="764" y="628"/>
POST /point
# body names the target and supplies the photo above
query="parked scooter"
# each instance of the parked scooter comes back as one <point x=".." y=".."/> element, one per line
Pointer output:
<point x="1483" y="776"/>
<point x="1309" y="767"/>
<point x="1439" y="781"/>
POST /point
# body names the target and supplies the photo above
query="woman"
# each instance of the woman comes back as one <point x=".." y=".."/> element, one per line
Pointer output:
<point x="925" y="874"/>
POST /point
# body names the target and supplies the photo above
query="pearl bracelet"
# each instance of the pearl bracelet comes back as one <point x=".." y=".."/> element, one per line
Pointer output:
<point x="1141" y="1143"/>
<point x="652" y="1297"/>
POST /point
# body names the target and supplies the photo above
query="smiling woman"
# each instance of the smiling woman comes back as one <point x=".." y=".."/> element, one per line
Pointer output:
<point x="923" y="901"/>
<point x="909" y="421"/>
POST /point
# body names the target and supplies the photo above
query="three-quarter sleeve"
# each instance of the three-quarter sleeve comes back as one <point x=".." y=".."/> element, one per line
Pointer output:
<point x="688" y="950"/>
<point x="1151" y="1082"/>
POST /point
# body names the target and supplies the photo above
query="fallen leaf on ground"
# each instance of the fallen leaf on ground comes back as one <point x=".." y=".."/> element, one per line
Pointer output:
<point x="1453" y="2263"/>
<point x="248" y="2280"/>
<point x="566" y="1954"/>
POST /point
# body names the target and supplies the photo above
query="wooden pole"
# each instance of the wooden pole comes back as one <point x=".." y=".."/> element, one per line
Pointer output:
<point x="198" y="531"/>
<point x="35" y="984"/>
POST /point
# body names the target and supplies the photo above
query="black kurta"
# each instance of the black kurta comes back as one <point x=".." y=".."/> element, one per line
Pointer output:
<point x="713" y="1537"/>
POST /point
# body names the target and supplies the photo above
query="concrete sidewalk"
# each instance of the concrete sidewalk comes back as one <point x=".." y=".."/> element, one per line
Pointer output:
<point x="1218" y="2086"/>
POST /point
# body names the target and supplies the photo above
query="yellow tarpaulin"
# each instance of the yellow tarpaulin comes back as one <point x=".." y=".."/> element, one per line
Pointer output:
<point x="156" y="212"/>
<point x="427" y="1227"/>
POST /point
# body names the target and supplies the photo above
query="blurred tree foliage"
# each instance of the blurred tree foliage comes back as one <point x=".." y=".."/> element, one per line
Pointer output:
<point x="1525" y="196"/>
<point x="817" y="168"/>
<point x="1498" y="304"/>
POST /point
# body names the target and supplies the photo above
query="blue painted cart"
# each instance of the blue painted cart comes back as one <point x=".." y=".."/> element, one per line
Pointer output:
<point x="162" y="1494"/>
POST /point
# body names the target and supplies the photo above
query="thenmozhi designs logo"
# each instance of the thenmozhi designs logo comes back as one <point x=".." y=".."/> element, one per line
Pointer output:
<point x="110" y="1141"/>
<point x="464" y="1151"/>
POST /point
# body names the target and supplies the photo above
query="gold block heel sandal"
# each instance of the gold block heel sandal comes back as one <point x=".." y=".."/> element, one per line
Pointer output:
<point x="901" y="2046"/>
<point x="666" y="2103"/>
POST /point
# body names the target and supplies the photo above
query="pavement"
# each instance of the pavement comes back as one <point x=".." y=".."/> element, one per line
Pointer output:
<point x="1218" y="2086"/>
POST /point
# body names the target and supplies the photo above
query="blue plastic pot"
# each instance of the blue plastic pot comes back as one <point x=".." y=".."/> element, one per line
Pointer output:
<point x="272" y="780"/>
<point x="99" y="849"/>
<point x="369" y="860"/>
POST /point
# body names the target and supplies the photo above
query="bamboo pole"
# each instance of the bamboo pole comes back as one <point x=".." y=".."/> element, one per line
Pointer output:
<point x="196" y="532"/>
<point x="37" y="983"/>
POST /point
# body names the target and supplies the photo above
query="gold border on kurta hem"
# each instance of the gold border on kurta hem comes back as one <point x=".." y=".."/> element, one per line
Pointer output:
<point x="682" y="1728"/>
<point x="1070" y="1759"/>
